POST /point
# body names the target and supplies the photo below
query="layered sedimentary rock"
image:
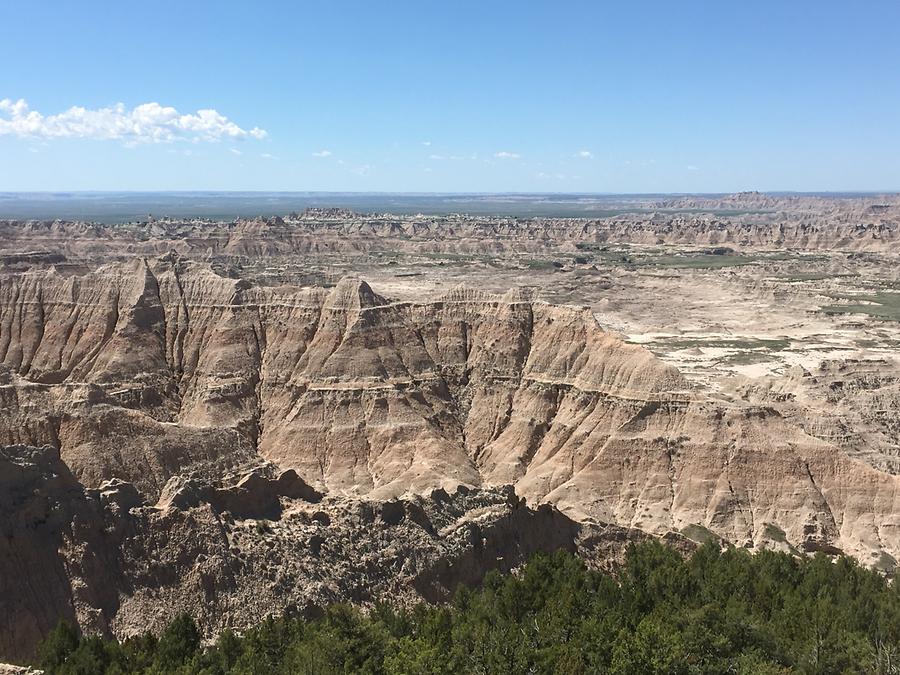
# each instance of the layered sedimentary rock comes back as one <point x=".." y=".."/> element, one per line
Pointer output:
<point x="744" y="221"/>
<point x="851" y="403"/>
<point x="358" y="394"/>
<point x="216" y="402"/>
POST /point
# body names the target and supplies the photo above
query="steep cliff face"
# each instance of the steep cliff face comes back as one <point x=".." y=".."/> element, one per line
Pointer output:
<point x="358" y="394"/>
<point x="256" y="544"/>
<point x="853" y="403"/>
<point x="160" y="370"/>
<point x="56" y="555"/>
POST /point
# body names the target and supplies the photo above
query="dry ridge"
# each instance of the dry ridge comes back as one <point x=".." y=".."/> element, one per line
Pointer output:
<point x="174" y="437"/>
<point x="744" y="221"/>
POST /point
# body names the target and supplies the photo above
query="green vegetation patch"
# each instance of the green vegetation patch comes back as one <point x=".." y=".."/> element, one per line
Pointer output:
<point x="774" y="533"/>
<point x="741" y="344"/>
<point x="701" y="261"/>
<point x="886" y="563"/>
<point x="746" y="358"/>
<point x="813" y="276"/>
<point x="674" y="257"/>
<point x="699" y="534"/>
<point x="883" y="305"/>
<point x="706" y="260"/>
<point x="714" y="612"/>
<point x="547" y="265"/>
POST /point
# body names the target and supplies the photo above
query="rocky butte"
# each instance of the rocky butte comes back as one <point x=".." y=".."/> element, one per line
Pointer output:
<point x="178" y="439"/>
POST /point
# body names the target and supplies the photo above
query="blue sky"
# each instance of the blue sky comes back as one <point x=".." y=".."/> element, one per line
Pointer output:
<point x="450" y="96"/>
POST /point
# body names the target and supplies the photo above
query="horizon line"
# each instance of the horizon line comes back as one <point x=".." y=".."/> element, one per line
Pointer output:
<point x="505" y="193"/>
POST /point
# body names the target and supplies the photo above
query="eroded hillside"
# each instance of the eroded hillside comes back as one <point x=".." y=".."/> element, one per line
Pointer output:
<point x="205" y="430"/>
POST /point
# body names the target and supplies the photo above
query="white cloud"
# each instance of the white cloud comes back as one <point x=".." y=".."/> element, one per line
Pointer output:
<point x="361" y="170"/>
<point x="691" y="167"/>
<point x="507" y="155"/>
<point x="235" y="151"/>
<point x="266" y="155"/>
<point x="426" y="143"/>
<point x="435" y="157"/>
<point x="585" y="154"/>
<point x="322" y="153"/>
<point x="146" y="123"/>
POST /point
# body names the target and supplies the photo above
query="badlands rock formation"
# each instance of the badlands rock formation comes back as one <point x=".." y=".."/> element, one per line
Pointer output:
<point x="231" y="554"/>
<point x="745" y="221"/>
<point x="177" y="439"/>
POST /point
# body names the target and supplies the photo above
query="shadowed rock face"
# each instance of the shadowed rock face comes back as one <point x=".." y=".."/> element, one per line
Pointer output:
<point x="200" y="391"/>
<point x="119" y="566"/>
<point x="56" y="554"/>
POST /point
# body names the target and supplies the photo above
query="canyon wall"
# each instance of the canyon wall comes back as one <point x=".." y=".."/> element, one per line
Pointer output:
<point x="152" y="411"/>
